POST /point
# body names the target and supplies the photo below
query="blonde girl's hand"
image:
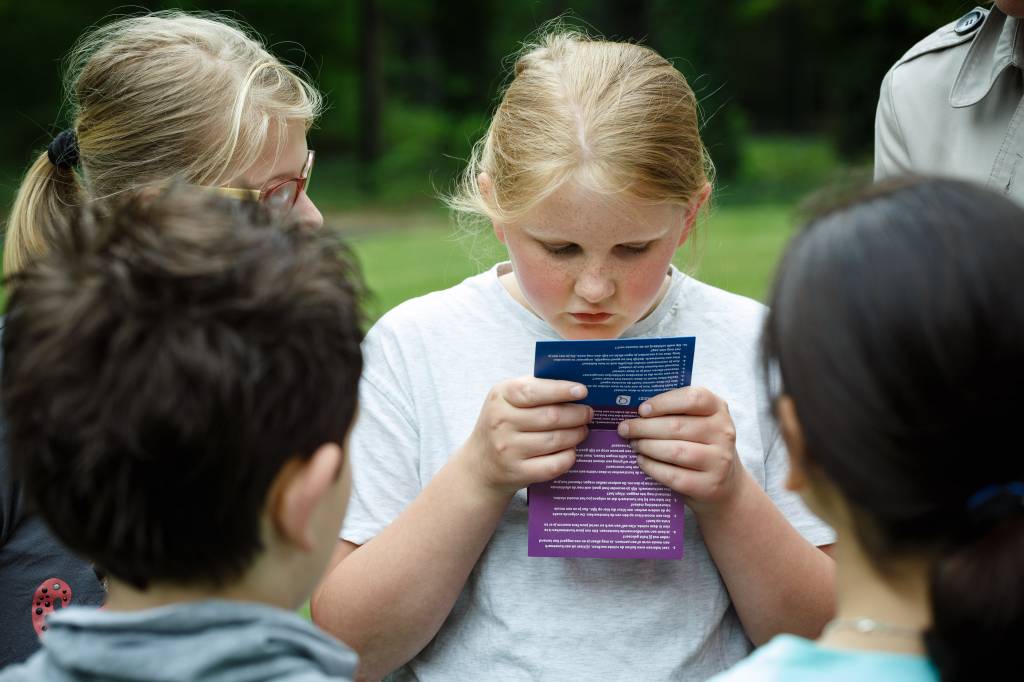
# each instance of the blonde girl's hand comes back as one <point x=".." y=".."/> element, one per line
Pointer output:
<point x="527" y="432"/>
<point x="686" y="440"/>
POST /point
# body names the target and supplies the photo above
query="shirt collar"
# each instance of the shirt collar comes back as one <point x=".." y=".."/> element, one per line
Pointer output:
<point x="998" y="45"/>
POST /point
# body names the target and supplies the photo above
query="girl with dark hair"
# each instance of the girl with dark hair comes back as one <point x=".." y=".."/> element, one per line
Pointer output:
<point x="896" y="330"/>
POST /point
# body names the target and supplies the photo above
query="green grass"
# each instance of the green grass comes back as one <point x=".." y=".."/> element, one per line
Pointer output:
<point x="735" y="249"/>
<point x="739" y="248"/>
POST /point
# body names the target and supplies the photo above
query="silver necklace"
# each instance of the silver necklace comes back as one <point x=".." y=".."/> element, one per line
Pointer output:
<point x="870" y="626"/>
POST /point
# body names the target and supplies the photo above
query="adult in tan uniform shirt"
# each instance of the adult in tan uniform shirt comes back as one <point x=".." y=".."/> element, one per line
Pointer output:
<point x="954" y="104"/>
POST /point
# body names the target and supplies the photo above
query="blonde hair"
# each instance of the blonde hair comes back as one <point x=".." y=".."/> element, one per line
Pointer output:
<point x="168" y="94"/>
<point x="617" y="118"/>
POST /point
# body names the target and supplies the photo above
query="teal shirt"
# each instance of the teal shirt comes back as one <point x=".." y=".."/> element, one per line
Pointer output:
<point x="795" y="659"/>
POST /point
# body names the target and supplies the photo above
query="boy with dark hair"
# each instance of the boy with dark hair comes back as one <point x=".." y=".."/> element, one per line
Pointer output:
<point x="179" y="379"/>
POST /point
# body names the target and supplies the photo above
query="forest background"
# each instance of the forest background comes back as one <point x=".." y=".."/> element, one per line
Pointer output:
<point x="787" y="90"/>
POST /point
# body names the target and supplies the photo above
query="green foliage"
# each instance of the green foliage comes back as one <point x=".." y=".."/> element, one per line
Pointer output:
<point x="426" y="148"/>
<point x="792" y="66"/>
<point x="780" y="169"/>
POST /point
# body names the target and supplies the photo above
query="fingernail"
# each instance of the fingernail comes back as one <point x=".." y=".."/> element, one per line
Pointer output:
<point x="578" y="391"/>
<point x="644" y="410"/>
<point x="623" y="429"/>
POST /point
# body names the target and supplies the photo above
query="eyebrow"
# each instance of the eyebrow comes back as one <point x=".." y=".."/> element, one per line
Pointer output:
<point x="550" y="239"/>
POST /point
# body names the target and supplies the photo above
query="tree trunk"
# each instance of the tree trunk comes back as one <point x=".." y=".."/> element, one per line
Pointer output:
<point x="371" y="94"/>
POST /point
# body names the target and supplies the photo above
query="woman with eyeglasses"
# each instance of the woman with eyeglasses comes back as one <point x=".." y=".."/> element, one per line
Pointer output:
<point x="154" y="97"/>
<point x="168" y="95"/>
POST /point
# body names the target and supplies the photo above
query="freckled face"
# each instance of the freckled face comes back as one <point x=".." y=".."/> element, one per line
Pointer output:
<point x="591" y="266"/>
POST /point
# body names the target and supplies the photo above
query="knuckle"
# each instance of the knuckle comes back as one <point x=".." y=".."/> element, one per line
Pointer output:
<point x="677" y="426"/>
<point x="550" y="417"/>
<point x="560" y="464"/>
<point x="523" y="392"/>
<point x="729" y="433"/>
<point x="714" y="489"/>
<point x="502" y="447"/>
<point x="706" y="401"/>
<point x="677" y="480"/>
<point x="679" y="452"/>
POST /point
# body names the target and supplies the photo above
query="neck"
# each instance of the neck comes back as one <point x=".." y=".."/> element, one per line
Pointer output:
<point x="898" y="603"/>
<point x="124" y="597"/>
<point x="277" y="578"/>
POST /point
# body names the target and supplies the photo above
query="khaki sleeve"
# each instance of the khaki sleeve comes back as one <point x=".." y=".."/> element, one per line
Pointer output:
<point x="891" y="156"/>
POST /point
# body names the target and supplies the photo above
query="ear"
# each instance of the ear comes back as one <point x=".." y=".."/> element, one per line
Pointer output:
<point x="486" y="186"/>
<point x="299" y="489"/>
<point x="692" y="210"/>
<point x="789" y="423"/>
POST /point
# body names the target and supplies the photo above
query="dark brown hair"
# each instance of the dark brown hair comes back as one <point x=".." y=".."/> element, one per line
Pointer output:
<point x="896" y="324"/>
<point x="162" y="363"/>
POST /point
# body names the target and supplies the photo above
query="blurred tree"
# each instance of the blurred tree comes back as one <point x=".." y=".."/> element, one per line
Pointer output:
<point x="370" y="92"/>
<point x="411" y="83"/>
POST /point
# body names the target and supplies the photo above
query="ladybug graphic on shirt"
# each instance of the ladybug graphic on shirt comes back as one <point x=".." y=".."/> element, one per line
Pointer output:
<point x="51" y="595"/>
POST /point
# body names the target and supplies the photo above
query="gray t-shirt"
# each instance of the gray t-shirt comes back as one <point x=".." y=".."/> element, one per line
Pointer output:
<point x="199" y="641"/>
<point x="429" y="365"/>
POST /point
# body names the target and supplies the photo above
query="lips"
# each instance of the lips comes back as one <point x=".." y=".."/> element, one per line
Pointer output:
<point x="591" y="318"/>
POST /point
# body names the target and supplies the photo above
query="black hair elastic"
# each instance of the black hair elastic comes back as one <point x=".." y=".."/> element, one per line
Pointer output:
<point x="996" y="502"/>
<point x="63" y="151"/>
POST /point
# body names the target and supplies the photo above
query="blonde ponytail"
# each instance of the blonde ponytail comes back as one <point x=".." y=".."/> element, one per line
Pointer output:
<point x="46" y="197"/>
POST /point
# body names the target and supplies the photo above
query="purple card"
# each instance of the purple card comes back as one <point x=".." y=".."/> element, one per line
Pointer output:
<point x="605" y="506"/>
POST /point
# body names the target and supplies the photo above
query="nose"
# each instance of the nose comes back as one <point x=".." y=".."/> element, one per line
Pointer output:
<point x="594" y="285"/>
<point x="306" y="212"/>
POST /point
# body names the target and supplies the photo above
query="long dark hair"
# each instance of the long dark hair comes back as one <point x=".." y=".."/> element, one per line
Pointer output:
<point x="897" y="326"/>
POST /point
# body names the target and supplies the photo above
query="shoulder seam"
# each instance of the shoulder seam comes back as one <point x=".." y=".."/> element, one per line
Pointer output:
<point x="941" y="39"/>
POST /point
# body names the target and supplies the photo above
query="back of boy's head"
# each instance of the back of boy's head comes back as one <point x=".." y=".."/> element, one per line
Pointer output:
<point x="616" y="118"/>
<point x="896" y="322"/>
<point x="162" y="363"/>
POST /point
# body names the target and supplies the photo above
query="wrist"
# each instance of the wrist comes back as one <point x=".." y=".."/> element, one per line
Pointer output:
<point x="470" y="478"/>
<point x="729" y="505"/>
